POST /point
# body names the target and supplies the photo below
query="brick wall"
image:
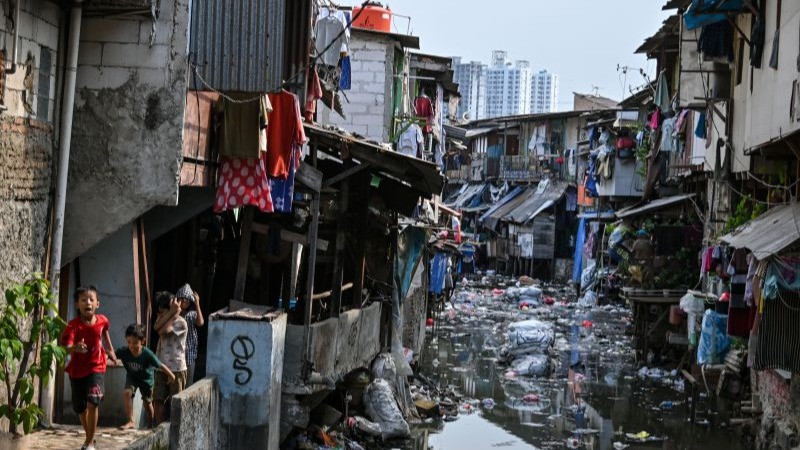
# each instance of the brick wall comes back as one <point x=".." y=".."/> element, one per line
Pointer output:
<point x="367" y="105"/>
<point x="127" y="133"/>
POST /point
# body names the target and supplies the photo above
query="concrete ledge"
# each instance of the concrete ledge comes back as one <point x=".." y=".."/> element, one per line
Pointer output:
<point x="194" y="417"/>
<point x="157" y="440"/>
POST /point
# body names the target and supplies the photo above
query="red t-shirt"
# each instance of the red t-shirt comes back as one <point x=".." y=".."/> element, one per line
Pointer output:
<point x="285" y="133"/>
<point x="94" y="360"/>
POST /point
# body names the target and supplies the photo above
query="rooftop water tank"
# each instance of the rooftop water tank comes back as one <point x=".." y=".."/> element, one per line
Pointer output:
<point x="373" y="17"/>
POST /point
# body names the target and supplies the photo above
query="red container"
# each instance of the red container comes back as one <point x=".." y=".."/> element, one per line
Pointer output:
<point x="373" y="17"/>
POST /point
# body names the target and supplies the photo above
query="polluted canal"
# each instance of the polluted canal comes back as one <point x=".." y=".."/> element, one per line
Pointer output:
<point x="525" y="368"/>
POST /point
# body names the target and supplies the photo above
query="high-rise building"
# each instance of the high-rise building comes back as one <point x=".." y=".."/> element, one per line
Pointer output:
<point x="471" y="79"/>
<point x="544" y="92"/>
<point x="508" y="86"/>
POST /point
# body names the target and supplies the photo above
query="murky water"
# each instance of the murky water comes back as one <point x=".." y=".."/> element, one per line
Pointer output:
<point x="592" y="401"/>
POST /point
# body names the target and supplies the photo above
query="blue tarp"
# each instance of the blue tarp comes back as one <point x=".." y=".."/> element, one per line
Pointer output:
<point x="438" y="271"/>
<point x="706" y="12"/>
<point x="510" y="196"/>
<point x="577" y="265"/>
<point x="409" y="250"/>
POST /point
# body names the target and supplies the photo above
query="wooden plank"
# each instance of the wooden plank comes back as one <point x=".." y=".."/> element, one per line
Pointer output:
<point x="148" y="310"/>
<point x="310" y="177"/>
<point x="345" y="174"/>
<point x="294" y="270"/>
<point x="290" y="236"/>
<point x="244" y="253"/>
<point x="313" y="230"/>
<point x="137" y="290"/>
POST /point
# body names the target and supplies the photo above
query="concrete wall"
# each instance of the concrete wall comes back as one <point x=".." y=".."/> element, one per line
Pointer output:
<point x="127" y="133"/>
<point x="246" y="357"/>
<point x="157" y="440"/>
<point x="415" y="311"/>
<point x="195" y="417"/>
<point x="27" y="139"/>
<point x="368" y="107"/>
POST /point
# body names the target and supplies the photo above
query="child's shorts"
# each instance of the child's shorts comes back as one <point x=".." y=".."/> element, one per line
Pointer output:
<point x="88" y="389"/>
<point x="145" y="389"/>
<point x="165" y="389"/>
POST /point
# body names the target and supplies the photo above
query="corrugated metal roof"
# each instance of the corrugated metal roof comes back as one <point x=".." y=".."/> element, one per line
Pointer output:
<point x="771" y="233"/>
<point x="494" y="217"/>
<point x="508" y="197"/>
<point x="546" y="195"/>
<point x="238" y="45"/>
<point x="465" y="196"/>
<point x="655" y="205"/>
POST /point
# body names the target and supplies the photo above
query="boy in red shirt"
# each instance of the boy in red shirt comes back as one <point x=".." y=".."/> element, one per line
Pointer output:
<point x="83" y="339"/>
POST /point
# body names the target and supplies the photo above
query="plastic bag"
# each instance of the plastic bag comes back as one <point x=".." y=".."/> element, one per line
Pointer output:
<point x="714" y="342"/>
<point x="587" y="276"/>
<point x="588" y="300"/>
<point x="535" y="334"/>
<point x="382" y="408"/>
<point x="532" y="366"/>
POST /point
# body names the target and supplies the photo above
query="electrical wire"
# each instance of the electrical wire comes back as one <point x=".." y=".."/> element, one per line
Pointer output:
<point x="293" y="76"/>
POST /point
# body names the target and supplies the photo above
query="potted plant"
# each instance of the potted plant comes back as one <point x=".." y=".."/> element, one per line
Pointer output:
<point x="29" y="329"/>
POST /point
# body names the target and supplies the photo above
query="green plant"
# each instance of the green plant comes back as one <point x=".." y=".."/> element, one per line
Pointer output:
<point x="746" y="210"/>
<point x="27" y="329"/>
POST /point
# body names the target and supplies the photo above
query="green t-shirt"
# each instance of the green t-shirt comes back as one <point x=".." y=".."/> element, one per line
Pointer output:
<point x="142" y="367"/>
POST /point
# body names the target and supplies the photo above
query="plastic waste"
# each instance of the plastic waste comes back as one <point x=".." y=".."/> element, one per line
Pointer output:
<point x="620" y="446"/>
<point x="667" y="404"/>
<point x="429" y="321"/>
<point x="573" y="443"/>
<point x="587" y="324"/>
<point x="364" y="425"/>
<point x="533" y="334"/>
<point x="588" y="300"/>
<point x="382" y="408"/>
<point x="531" y="398"/>
<point x="714" y="341"/>
<point x="532" y="366"/>
<point x="488" y="403"/>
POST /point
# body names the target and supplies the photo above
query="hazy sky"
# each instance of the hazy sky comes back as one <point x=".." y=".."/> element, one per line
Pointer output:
<point x="582" y="41"/>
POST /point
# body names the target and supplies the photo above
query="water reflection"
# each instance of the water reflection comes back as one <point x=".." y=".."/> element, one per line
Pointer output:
<point x="592" y="401"/>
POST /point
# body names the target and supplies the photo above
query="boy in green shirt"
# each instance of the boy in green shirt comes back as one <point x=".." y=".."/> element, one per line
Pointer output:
<point x="140" y="363"/>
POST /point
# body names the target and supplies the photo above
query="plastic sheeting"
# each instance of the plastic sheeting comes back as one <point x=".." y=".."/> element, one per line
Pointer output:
<point x="410" y="243"/>
<point x="382" y="408"/>
<point x="438" y="272"/>
<point x="531" y="334"/>
<point x="714" y="342"/>
<point x="577" y="263"/>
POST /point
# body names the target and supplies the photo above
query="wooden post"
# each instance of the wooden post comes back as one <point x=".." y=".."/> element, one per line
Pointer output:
<point x="338" y="263"/>
<point x="244" y="253"/>
<point x="145" y="271"/>
<point x="313" y="229"/>
<point x="137" y="291"/>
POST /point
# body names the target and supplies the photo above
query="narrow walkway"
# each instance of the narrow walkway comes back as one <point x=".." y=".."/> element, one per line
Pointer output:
<point x="70" y="437"/>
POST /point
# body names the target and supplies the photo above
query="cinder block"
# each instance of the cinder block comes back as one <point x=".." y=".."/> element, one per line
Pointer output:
<point x="376" y="67"/>
<point x="376" y="132"/>
<point x="153" y="77"/>
<point x="374" y="88"/>
<point x="90" y="77"/>
<point x="48" y="35"/>
<point x="110" y="30"/>
<point x="49" y="12"/>
<point x="362" y="98"/>
<point x="367" y="119"/>
<point x="162" y="32"/>
<point x="90" y="54"/>
<point x="135" y="55"/>
<point x="376" y="45"/>
<point x="362" y="76"/>
<point x="369" y="55"/>
<point x="355" y="108"/>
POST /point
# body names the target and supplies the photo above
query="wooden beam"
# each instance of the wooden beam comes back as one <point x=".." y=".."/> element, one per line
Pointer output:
<point x="341" y="236"/>
<point x="313" y="230"/>
<point x="328" y="294"/>
<point x="137" y="290"/>
<point x="244" y="253"/>
<point x="148" y="296"/>
<point x="290" y="236"/>
<point x="344" y="174"/>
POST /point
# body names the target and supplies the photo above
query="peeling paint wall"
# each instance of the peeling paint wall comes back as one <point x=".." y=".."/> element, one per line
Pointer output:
<point x="127" y="131"/>
<point x="27" y="139"/>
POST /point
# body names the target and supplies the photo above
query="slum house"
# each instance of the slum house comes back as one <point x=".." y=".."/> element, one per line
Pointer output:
<point x="754" y="167"/>
<point x="138" y="246"/>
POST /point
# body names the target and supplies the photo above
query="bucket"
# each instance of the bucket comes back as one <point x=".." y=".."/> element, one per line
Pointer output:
<point x="373" y="17"/>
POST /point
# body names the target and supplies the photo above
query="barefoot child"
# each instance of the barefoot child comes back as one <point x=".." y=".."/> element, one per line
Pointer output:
<point x="171" y="329"/>
<point x="87" y="365"/>
<point x="140" y="363"/>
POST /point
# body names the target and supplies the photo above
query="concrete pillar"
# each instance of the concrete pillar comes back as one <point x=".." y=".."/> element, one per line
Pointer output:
<point x="245" y="353"/>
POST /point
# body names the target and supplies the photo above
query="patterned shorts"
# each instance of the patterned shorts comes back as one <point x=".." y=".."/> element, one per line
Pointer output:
<point x="88" y="389"/>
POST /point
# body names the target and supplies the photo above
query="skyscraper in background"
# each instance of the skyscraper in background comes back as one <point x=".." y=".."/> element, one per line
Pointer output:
<point x="544" y="92"/>
<point x="503" y="88"/>
<point x="471" y="79"/>
<point x="508" y="86"/>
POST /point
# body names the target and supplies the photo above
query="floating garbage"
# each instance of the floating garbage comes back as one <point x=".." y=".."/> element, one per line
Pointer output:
<point x="381" y="407"/>
<point x="530" y="334"/>
<point x="488" y="403"/>
<point x="530" y="398"/>
<point x="532" y="366"/>
<point x="573" y="443"/>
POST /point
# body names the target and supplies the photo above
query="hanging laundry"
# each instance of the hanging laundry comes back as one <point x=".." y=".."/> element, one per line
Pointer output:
<point x="655" y="120"/>
<point x="243" y="182"/>
<point x="331" y="36"/>
<point x="456" y="224"/>
<point x="410" y="142"/>
<point x="716" y="42"/>
<point x="243" y="124"/>
<point x="282" y="190"/>
<point x="424" y="108"/>
<point x="313" y="93"/>
<point x="662" y="99"/>
<point x="668" y="143"/>
<point x="700" y="130"/>
<point x="773" y="59"/>
<point x="345" y="77"/>
<point x="285" y="133"/>
<point x="778" y="344"/>
<point x="757" y="38"/>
